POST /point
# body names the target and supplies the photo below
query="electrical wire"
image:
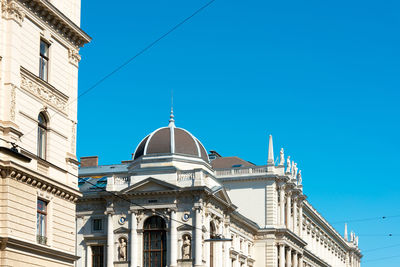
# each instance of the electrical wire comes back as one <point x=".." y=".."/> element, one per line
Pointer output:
<point x="379" y="248"/>
<point x="143" y="207"/>
<point x="367" y="219"/>
<point x="384" y="258"/>
<point x="143" y="50"/>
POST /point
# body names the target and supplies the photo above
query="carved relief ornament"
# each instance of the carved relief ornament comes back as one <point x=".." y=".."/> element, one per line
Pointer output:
<point x="11" y="10"/>
<point x="43" y="91"/>
<point x="74" y="57"/>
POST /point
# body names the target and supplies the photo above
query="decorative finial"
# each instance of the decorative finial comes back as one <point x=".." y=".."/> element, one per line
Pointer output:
<point x="270" y="152"/>
<point x="282" y="160"/>
<point x="171" y="116"/>
<point x="345" y="232"/>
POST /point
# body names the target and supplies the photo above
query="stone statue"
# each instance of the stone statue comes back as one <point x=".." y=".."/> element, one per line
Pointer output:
<point x="299" y="179"/>
<point x="282" y="161"/>
<point x="295" y="170"/>
<point x="122" y="249"/>
<point x="288" y="165"/>
<point x="186" y="247"/>
<point x="293" y="167"/>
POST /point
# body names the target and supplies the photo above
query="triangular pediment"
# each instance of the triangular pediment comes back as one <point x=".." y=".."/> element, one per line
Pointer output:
<point x="185" y="227"/>
<point x="148" y="185"/>
<point x="121" y="230"/>
<point x="221" y="194"/>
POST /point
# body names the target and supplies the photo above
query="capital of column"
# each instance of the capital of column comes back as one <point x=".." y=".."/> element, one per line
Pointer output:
<point x="109" y="212"/>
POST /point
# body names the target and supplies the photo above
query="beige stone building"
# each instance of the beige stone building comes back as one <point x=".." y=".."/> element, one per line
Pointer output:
<point x="39" y="57"/>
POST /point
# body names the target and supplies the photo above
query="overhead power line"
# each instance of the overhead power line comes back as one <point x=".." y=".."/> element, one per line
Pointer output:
<point x="368" y="219"/>
<point x="379" y="248"/>
<point x="129" y="60"/>
<point x="141" y="206"/>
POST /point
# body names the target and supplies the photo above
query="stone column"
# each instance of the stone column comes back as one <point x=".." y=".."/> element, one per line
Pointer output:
<point x="110" y="240"/>
<point x="227" y="245"/>
<point x="173" y="245"/>
<point x="295" y="259"/>
<point x="198" y="238"/>
<point x="282" y="203"/>
<point x="295" y="218"/>
<point x="88" y="255"/>
<point x="281" y="255"/>
<point x="289" y="257"/>
<point x="218" y="246"/>
<point x="300" y="260"/>
<point x="301" y="219"/>
<point x="133" y="239"/>
<point x="288" y="212"/>
<point x="79" y="240"/>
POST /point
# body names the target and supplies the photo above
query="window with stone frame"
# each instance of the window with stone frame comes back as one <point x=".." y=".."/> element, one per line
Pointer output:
<point x="97" y="224"/>
<point x="42" y="136"/>
<point x="41" y="217"/>
<point x="154" y="242"/>
<point x="97" y="256"/>
<point x="44" y="60"/>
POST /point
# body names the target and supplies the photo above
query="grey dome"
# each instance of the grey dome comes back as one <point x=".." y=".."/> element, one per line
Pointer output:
<point x="171" y="140"/>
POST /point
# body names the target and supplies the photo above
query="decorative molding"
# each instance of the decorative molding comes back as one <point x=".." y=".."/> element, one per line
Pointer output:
<point x="43" y="90"/>
<point x="41" y="184"/>
<point x="38" y="250"/>
<point x="74" y="57"/>
<point x="13" y="103"/>
<point x="56" y="20"/>
<point x="11" y="10"/>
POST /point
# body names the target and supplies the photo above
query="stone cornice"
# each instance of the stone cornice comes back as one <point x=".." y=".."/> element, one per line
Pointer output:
<point x="57" y="20"/>
<point x="309" y="255"/>
<point x="43" y="90"/>
<point x="14" y="171"/>
<point x="284" y="232"/>
<point x="37" y="249"/>
<point x="309" y="210"/>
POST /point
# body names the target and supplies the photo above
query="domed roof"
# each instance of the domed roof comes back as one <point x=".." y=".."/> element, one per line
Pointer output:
<point x="171" y="140"/>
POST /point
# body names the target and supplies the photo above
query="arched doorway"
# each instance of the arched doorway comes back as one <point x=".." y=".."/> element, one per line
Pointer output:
<point x="154" y="242"/>
<point x="212" y="236"/>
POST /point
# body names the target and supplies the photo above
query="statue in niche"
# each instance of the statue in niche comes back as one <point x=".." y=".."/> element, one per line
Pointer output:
<point x="186" y="247"/>
<point x="122" y="249"/>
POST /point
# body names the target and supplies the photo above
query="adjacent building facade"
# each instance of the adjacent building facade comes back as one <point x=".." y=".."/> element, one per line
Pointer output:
<point x="172" y="204"/>
<point x="39" y="57"/>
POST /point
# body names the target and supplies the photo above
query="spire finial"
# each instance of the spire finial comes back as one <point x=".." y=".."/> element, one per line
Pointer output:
<point x="171" y="116"/>
<point x="270" y="152"/>
<point x="345" y="232"/>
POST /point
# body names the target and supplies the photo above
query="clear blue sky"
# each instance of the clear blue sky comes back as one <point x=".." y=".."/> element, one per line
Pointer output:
<point x="321" y="76"/>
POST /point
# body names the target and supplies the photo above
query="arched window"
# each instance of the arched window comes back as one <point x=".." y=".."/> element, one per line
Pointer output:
<point x="212" y="236"/>
<point x="42" y="135"/>
<point x="154" y="242"/>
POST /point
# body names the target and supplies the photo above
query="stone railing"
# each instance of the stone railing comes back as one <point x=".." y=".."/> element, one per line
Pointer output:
<point x="186" y="175"/>
<point x="241" y="171"/>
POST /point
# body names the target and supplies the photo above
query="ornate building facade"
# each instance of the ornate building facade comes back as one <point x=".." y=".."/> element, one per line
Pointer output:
<point x="39" y="57"/>
<point x="172" y="204"/>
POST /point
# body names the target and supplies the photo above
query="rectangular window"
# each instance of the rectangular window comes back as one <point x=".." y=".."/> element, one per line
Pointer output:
<point x="97" y="224"/>
<point x="97" y="256"/>
<point x="41" y="221"/>
<point x="44" y="60"/>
